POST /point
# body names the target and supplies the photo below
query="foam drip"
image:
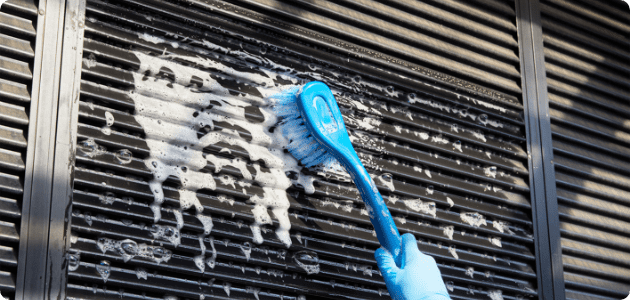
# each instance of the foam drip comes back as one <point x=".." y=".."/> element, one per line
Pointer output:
<point x="172" y="114"/>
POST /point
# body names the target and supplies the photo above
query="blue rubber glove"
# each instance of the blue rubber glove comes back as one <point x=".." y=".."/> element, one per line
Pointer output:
<point x="418" y="278"/>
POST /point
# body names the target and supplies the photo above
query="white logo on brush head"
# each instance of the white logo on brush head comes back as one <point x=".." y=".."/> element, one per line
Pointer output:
<point x="328" y="123"/>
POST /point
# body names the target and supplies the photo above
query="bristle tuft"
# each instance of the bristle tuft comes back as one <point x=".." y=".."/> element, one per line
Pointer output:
<point x="302" y="145"/>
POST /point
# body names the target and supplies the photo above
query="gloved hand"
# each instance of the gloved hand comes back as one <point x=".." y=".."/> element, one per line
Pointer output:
<point x="418" y="278"/>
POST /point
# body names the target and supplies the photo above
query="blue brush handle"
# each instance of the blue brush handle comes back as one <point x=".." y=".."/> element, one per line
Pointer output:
<point x="381" y="218"/>
<point x="323" y="118"/>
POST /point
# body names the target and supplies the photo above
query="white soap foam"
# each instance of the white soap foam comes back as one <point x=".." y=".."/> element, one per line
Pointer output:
<point x="246" y="248"/>
<point x="253" y="290"/>
<point x="199" y="262"/>
<point x="109" y="118"/>
<point x="502" y="226"/>
<point x="227" y="287"/>
<point x="448" y="231"/>
<point x="128" y="249"/>
<point x="173" y="114"/>
<point x="420" y="206"/>
<point x="453" y="251"/>
<point x="211" y="261"/>
<point x="450" y="201"/>
<point x="308" y="261"/>
<point x="277" y="201"/>
<point x="90" y="61"/>
<point x="475" y="219"/>
<point x="495" y="294"/>
<point x="496" y="241"/>
<point x="479" y="135"/>
<point x="470" y="271"/>
<point x="386" y="180"/>
<point x="141" y="273"/>
<point x="491" y="171"/>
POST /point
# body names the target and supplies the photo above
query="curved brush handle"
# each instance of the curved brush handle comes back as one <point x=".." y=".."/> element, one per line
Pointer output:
<point x="324" y="120"/>
<point x="381" y="218"/>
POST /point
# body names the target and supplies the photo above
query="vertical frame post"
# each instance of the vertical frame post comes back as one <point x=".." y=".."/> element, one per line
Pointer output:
<point x="42" y="268"/>
<point x="65" y="150"/>
<point x="540" y="152"/>
<point x="33" y="250"/>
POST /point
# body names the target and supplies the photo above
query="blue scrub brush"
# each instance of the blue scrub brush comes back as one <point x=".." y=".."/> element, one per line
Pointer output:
<point x="312" y="122"/>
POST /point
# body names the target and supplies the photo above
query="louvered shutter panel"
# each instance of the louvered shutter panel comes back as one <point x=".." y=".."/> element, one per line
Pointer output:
<point x="587" y="54"/>
<point x="431" y="96"/>
<point x="17" y="40"/>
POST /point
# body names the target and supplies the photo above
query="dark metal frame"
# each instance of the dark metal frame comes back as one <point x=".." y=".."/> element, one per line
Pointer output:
<point x="540" y="152"/>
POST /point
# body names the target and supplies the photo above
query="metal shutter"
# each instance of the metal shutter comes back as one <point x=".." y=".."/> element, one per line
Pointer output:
<point x="17" y="55"/>
<point x="431" y="97"/>
<point x="587" y="55"/>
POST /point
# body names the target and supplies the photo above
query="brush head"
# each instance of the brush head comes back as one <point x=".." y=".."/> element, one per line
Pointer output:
<point x="302" y="143"/>
<point x="313" y="123"/>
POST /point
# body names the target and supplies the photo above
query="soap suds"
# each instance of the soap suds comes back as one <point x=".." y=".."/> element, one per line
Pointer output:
<point x="458" y="145"/>
<point x="450" y="286"/>
<point x="420" y="206"/>
<point x="172" y="115"/>
<point x="90" y="148"/>
<point x="167" y="233"/>
<point x="479" y="135"/>
<point x="502" y="226"/>
<point x="246" y="248"/>
<point x="448" y="231"/>
<point x="109" y="118"/>
<point x="491" y="171"/>
<point x="227" y="287"/>
<point x="141" y="273"/>
<point x="276" y="200"/>
<point x="90" y="62"/>
<point x="253" y="290"/>
<point x="495" y="294"/>
<point x="496" y="241"/>
<point x="104" y="269"/>
<point x="109" y="121"/>
<point x="386" y="180"/>
<point x="450" y="201"/>
<point x="129" y="249"/>
<point x="475" y="219"/>
<point x="307" y="260"/>
<point x="211" y="261"/>
<point x="453" y="251"/>
<point x="470" y="271"/>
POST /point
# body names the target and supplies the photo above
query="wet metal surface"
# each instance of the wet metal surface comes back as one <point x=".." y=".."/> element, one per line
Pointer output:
<point x="448" y="154"/>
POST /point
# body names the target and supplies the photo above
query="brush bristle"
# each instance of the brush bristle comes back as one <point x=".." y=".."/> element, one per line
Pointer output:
<point x="302" y="145"/>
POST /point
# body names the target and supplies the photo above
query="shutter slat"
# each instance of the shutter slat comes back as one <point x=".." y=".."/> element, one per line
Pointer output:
<point x="22" y="6"/>
<point x="451" y="149"/>
<point x="17" y="47"/>
<point x="18" y="39"/>
<point x="16" y="25"/>
<point x="586" y="52"/>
